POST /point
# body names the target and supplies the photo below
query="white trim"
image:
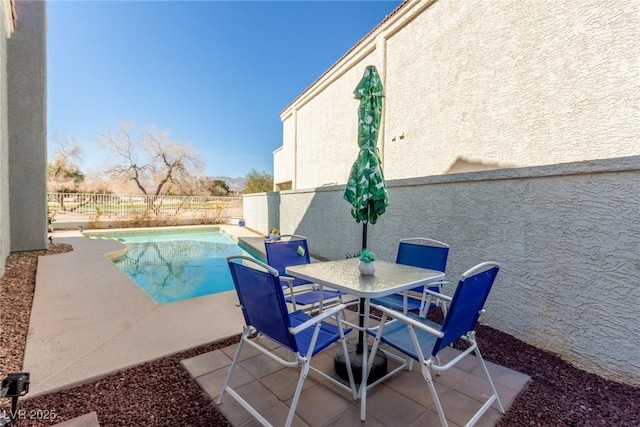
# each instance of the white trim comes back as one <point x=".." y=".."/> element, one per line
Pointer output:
<point x="5" y="7"/>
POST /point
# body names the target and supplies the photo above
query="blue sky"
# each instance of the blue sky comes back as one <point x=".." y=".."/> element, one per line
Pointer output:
<point x="216" y="74"/>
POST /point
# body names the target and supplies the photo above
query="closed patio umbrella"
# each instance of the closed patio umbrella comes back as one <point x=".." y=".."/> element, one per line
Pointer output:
<point x="367" y="193"/>
<point x="366" y="190"/>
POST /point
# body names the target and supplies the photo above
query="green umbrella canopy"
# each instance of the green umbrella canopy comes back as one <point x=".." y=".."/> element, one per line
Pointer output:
<point x="366" y="190"/>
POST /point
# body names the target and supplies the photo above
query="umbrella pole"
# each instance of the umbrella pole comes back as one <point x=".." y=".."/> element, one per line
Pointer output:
<point x="378" y="361"/>
<point x="360" y="345"/>
<point x="364" y="234"/>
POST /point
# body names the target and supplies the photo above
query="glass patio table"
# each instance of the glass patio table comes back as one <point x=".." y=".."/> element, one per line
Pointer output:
<point x="343" y="275"/>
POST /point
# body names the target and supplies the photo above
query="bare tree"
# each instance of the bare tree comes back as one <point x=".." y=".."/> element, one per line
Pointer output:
<point x="152" y="160"/>
<point x="63" y="172"/>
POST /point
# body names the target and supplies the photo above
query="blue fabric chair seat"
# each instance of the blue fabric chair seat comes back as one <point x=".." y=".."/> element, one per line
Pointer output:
<point x="328" y="333"/>
<point x="313" y="297"/>
<point x="397" y="335"/>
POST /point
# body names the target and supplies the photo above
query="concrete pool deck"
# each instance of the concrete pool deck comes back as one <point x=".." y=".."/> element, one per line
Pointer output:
<point x="88" y="319"/>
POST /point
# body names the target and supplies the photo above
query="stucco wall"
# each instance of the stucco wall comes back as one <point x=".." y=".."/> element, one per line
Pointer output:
<point x="26" y="53"/>
<point x="567" y="237"/>
<point x="499" y="84"/>
<point x="326" y="148"/>
<point x="521" y="83"/>
<point x="283" y="157"/>
<point x="261" y="211"/>
<point x="4" y="148"/>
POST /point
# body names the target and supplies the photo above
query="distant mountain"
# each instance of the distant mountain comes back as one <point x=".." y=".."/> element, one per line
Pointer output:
<point x="235" y="184"/>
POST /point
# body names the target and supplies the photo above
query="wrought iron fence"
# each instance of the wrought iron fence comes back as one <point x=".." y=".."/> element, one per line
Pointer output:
<point x="136" y="208"/>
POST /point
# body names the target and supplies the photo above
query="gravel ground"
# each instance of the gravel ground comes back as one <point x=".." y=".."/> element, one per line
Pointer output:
<point x="161" y="393"/>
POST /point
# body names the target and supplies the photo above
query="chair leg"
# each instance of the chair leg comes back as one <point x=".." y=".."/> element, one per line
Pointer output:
<point x="424" y="305"/>
<point x="236" y="359"/>
<point x="439" y="364"/>
<point x="443" y="307"/>
<point x="489" y="380"/>
<point x="426" y="373"/>
<point x="296" y="396"/>
<point x="345" y="351"/>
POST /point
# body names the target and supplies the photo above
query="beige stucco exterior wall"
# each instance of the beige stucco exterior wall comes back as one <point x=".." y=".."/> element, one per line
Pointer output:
<point x="567" y="237"/>
<point x="504" y="84"/>
<point x="323" y="151"/>
<point x="26" y="52"/>
<point x="261" y="211"/>
<point x="5" y="235"/>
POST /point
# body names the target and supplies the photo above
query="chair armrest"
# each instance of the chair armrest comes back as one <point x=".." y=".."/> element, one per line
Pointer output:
<point x="288" y="282"/>
<point x="410" y="321"/>
<point x="287" y="279"/>
<point x="317" y="319"/>
<point x="438" y="295"/>
<point x="442" y="282"/>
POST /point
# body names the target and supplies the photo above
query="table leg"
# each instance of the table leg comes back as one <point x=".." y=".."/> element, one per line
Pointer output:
<point x="361" y="312"/>
<point x="365" y="351"/>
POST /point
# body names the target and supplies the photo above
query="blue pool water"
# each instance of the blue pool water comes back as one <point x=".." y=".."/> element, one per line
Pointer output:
<point x="173" y="266"/>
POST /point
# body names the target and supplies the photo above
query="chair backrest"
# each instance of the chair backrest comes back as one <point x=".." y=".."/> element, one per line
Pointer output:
<point x="261" y="299"/>
<point x="287" y="251"/>
<point x="424" y="253"/>
<point x="467" y="302"/>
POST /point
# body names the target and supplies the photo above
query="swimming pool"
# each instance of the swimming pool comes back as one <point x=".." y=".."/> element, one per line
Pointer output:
<point x="176" y="265"/>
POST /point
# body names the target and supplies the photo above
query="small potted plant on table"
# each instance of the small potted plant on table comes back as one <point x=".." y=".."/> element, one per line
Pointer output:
<point x="367" y="265"/>
<point x="274" y="234"/>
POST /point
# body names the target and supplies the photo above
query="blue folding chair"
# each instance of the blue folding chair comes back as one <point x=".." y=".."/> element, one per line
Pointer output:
<point x="265" y="313"/>
<point x="291" y="250"/>
<point x="424" y="253"/>
<point x="422" y="339"/>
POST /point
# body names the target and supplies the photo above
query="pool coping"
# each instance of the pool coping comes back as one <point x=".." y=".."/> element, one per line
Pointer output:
<point x="148" y="230"/>
<point x="89" y="319"/>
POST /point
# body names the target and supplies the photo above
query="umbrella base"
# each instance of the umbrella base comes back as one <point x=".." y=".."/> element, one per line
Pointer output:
<point x="378" y="369"/>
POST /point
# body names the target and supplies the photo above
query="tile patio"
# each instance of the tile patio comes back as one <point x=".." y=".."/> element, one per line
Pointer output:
<point x="403" y="400"/>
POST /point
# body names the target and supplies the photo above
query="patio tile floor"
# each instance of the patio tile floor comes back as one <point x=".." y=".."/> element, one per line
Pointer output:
<point x="402" y="400"/>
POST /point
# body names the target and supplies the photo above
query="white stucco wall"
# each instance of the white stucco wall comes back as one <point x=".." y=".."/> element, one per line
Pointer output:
<point x="327" y="148"/>
<point x="261" y="211"/>
<point x="521" y="83"/>
<point x="284" y="157"/>
<point x="4" y="146"/>
<point x="504" y="84"/>
<point x="567" y="237"/>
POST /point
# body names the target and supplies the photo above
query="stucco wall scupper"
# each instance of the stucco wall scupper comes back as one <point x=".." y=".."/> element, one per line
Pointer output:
<point x="504" y="84"/>
<point x="567" y="237"/>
